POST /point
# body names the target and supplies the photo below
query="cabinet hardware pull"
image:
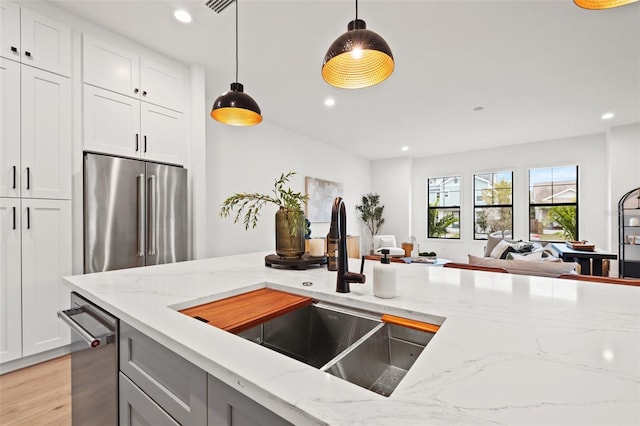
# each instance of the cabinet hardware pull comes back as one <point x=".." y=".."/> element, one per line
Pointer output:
<point x="145" y="143"/>
<point x="141" y="221"/>
<point x="28" y="178"/>
<point x="14" y="177"/>
<point x="27" y="53"/>
<point x="28" y="218"/>
<point x="137" y="143"/>
<point x="135" y="90"/>
<point x="14" y="49"/>
<point x="144" y="93"/>
<point x="152" y="216"/>
<point x="14" y="217"/>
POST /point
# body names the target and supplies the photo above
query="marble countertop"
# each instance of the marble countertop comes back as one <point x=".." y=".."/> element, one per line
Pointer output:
<point x="512" y="349"/>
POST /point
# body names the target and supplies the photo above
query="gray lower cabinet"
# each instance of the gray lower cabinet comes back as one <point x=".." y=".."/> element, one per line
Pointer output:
<point x="136" y="408"/>
<point x="228" y="407"/>
<point x="158" y="387"/>
<point x="173" y="383"/>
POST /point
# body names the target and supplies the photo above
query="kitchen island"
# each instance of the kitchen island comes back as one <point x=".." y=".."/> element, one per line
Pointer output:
<point x="511" y="349"/>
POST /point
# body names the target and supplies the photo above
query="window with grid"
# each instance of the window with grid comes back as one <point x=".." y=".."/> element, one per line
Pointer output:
<point x="443" y="210"/>
<point x="493" y="205"/>
<point x="553" y="204"/>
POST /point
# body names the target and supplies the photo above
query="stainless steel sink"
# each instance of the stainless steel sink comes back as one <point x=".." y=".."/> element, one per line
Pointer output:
<point x="314" y="334"/>
<point x="354" y="346"/>
<point x="381" y="359"/>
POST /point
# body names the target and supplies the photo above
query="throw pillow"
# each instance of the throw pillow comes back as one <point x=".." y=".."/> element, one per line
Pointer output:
<point x="528" y="257"/>
<point x="501" y="250"/>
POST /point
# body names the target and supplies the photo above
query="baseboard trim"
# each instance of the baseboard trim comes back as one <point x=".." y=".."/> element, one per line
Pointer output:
<point x="17" y="364"/>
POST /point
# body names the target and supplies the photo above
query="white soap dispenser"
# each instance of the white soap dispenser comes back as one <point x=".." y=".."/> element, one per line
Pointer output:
<point x="384" y="277"/>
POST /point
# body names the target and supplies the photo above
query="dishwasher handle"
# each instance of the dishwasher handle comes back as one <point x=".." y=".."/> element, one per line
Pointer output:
<point x="66" y="315"/>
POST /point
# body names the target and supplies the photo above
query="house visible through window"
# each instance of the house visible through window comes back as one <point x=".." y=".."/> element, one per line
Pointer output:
<point x="443" y="210"/>
<point x="493" y="205"/>
<point x="553" y="204"/>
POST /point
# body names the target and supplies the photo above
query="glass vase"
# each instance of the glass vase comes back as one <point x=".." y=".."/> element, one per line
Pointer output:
<point x="289" y="233"/>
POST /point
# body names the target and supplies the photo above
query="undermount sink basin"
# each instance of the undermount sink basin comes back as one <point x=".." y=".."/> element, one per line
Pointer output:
<point x="382" y="359"/>
<point x="354" y="346"/>
<point x="312" y="334"/>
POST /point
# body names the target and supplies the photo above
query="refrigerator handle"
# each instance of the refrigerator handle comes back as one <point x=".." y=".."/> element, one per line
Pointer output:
<point x="141" y="221"/>
<point x="152" y="216"/>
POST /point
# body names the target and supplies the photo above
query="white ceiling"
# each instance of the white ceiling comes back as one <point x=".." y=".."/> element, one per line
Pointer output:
<point x="542" y="69"/>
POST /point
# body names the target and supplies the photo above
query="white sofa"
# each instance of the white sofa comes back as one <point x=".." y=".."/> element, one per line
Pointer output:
<point x="524" y="258"/>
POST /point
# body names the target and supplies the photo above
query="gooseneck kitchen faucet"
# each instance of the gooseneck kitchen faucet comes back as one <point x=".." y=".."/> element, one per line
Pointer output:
<point x="338" y="230"/>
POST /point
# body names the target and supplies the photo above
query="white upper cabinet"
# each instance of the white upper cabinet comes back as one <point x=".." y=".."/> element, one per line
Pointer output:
<point x="46" y="135"/>
<point x="10" y="30"/>
<point x="162" y="85"/>
<point x="111" y="122"/>
<point x="120" y="125"/>
<point x="35" y="39"/>
<point x="35" y="133"/>
<point x="46" y="44"/>
<point x="164" y="136"/>
<point x="10" y="169"/>
<point x="112" y="68"/>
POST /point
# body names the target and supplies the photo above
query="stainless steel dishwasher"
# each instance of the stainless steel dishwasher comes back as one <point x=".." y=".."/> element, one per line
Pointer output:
<point x="94" y="363"/>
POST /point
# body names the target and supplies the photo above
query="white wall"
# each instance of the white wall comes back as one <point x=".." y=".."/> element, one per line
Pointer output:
<point x="249" y="159"/>
<point x="588" y="152"/>
<point x="391" y="179"/>
<point x="624" y="166"/>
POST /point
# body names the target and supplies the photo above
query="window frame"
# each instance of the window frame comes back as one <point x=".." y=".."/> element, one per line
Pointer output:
<point x="575" y="204"/>
<point x="456" y="209"/>
<point x="490" y="206"/>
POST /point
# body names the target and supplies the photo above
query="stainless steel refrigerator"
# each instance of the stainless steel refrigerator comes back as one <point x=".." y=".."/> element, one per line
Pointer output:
<point x="135" y="213"/>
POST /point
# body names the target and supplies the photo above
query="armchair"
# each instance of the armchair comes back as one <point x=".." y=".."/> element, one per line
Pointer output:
<point x="386" y="242"/>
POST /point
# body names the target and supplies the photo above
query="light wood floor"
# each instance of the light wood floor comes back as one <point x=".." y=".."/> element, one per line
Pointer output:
<point x="37" y="395"/>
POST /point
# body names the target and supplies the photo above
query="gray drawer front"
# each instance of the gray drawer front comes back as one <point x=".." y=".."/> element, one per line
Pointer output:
<point x="136" y="408"/>
<point x="228" y="407"/>
<point x="175" y="384"/>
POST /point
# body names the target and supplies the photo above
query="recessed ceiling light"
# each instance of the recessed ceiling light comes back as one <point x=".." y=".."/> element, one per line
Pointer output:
<point x="608" y="115"/>
<point x="329" y="102"/>
<point x="182" y="16"/>
<point x="405" y="148"/>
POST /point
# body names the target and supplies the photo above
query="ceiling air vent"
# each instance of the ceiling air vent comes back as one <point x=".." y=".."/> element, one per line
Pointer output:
<point x="218" y="5"/>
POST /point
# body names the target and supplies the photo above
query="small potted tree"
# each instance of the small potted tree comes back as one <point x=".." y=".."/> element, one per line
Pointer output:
<point x="290" y="221"/>
<point x="371" y="214"/>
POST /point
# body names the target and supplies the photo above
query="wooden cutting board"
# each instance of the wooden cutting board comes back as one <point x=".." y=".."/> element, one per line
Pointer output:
<point x="238" y="313"/>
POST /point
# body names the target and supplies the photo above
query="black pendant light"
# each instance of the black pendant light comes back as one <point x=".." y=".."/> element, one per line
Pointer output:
<point x="602" y="4"/>
<point x="358" y="58"/>
<point x="236" y="107"/>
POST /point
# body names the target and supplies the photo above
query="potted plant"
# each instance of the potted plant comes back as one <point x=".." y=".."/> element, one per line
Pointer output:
<point x="290" y="221"/>
<point x="371" y="213"/>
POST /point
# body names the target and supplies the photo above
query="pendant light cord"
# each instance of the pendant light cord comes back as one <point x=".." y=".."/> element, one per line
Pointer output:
<point x="356" y="10"/>
<point x="236" y="41"/>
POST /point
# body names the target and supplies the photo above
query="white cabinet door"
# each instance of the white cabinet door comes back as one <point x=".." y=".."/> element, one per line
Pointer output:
<point x="111" y="123"/>
<point x="165" y="137"/>
<point x="9" y="128"/>
<point x="10" y="280"/>
<point x="162" y="85"/>
<point x="46" y="43"/>
<point x="46" y="135"/>
<point x="110" y="67"/>
<point x="46" y="258"/>
<point x="10" y="30"/>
